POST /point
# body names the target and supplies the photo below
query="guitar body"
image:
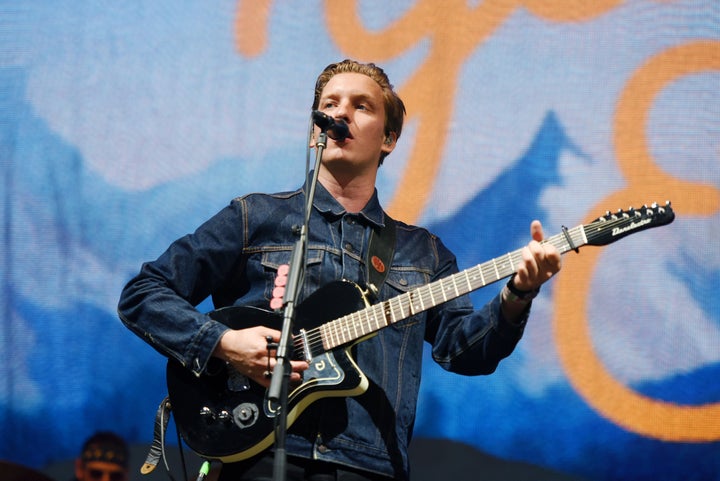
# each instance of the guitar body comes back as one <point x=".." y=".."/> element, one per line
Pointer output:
<point x="225" y="415"/>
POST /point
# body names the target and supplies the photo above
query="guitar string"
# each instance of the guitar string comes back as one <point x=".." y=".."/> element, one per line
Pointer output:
<point x="349" y="323"/>
<point x="337" y="327"/>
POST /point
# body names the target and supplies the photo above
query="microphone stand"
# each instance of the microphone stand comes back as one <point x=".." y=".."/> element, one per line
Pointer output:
<point x="277" y="397"/>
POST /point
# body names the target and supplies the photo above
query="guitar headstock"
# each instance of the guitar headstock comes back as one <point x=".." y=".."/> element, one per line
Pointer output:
<point x="616" y="225"/>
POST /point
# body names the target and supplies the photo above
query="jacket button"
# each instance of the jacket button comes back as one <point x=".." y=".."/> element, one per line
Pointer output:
<point x="322" y="449"/>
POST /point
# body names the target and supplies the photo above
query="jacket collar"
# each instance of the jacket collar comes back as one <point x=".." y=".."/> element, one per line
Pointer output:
<point x="328" y="206"/>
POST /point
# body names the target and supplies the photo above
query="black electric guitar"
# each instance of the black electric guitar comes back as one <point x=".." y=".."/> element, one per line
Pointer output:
<point x="224" y="415"/>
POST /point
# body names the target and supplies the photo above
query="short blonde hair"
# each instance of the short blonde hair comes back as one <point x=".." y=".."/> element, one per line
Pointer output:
<point x="394" y="106"/>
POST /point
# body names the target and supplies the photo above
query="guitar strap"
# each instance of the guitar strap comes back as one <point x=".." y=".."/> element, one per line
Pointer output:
<point x="157" y="449"/>
<point x="379" y="255"/>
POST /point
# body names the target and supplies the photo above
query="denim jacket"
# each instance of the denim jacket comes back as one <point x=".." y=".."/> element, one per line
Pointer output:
<point x="234" y="256"/>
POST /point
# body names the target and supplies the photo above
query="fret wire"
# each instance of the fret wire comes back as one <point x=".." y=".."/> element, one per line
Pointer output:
<point x="366" y="315"/>
<point x="455" y="286"/>
<point x="420" y="298"/>
<point x="430" y="292"/>
<point x="347" y="324"/>
<point x="344" y="323"/>
<point x="387" y="313"/>
<point x="379" y="310"/>
<point x="376" y="311"/>
<point x="369" y="319"/>
<point x="487" y="269"/>
<point x="325" y="336"/>
<point x="468" y="284"/>
<point x="333" y="337"/>
<point x="363" y="326"/>
<point x="447" y="288"/>
<point x="482" y="278"/>
<point x="352" y="330"/>
<point x="392" y="309"/>
<point x="410" y="303"/>
<point x="518" y="259"/>
<point x="467" y="279"/>
<point x="403" y="300"/>
<point x="340" y="327"/>
<point x="437" y="293"/>
<point x="398" y="307"/>
<point x="434" y="294"/>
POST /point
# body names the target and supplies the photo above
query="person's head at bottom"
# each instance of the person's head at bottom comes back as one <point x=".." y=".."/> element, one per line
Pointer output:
<point x="104" y="457"/>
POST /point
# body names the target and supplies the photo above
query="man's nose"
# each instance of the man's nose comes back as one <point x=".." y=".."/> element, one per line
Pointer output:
<point x="342" y="111"/>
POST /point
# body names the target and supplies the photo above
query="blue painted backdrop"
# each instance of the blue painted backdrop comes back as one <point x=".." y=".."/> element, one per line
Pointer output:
<point x="123" y="125"/>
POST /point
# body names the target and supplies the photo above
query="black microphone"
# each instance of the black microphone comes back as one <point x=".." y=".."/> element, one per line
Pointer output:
<point x="336" y="129"/>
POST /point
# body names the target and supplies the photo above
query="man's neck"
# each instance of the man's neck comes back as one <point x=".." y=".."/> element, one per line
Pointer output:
<point x="352" y="192"/>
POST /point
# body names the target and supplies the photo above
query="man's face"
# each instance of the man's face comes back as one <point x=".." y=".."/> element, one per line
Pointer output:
<point x="358" y="100"/>
<point x="100" y="471"/>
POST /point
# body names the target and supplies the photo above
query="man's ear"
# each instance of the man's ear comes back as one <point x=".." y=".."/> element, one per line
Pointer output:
<point x="389" y="142"/>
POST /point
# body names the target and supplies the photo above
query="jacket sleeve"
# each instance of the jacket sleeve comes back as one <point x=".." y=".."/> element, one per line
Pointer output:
<point x="158" y="304"/>
<point x="466" y="340"/>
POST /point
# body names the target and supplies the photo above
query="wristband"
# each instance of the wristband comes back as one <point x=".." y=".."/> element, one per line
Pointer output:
<point x="513" y="294"/>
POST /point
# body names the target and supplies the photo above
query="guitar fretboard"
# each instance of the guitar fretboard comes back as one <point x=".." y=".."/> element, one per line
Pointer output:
<point x="366" y="321"/>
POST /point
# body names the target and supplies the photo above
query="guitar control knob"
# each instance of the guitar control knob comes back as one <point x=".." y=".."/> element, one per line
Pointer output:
<point x="245" y="415"/>
<point x="207" y="414"/>
<point x="224" y="416"/>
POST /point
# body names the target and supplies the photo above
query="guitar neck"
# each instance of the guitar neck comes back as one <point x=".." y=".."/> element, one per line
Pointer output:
<point x="366" y="321"/>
